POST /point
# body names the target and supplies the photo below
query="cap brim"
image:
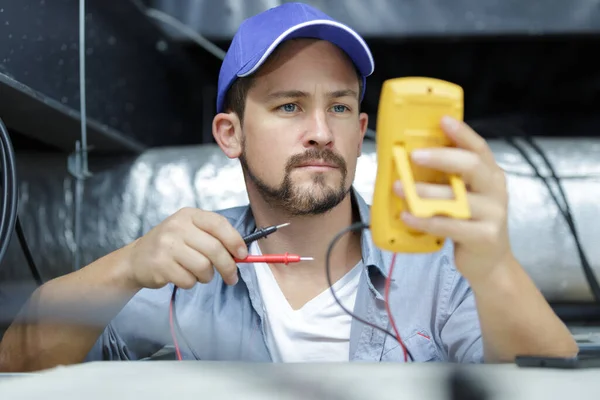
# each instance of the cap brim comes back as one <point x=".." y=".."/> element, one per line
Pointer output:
<point x="340" y="35"/>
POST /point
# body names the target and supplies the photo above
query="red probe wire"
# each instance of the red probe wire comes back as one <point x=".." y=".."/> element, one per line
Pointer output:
<point x="388" y="283"/>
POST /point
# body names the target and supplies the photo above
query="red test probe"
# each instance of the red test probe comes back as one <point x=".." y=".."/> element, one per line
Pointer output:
<point x="274" y="259"/>
<point x="270" y="258"/>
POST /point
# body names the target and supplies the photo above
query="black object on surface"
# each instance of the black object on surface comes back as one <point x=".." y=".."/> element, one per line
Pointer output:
<point x="464" y="387"/>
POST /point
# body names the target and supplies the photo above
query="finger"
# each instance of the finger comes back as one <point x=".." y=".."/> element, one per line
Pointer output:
<point x="215" y="252"/>
<point x="459" y="230"/>
<point x="466" y="138"/>
<point x="195" y="262"/>
<point x="480" y="206"/>
<point x="475" y="173"/>
<point x="180" y="276"/>
<point x="219" y="227"/>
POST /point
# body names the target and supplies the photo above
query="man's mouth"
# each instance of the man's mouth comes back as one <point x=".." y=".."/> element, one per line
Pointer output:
<point x="317" y="164"/>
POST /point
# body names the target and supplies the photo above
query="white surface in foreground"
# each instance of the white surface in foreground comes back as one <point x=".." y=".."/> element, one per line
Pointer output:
<point x="220" y="380"/>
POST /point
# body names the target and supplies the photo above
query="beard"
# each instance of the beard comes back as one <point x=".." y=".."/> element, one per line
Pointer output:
<point x="317" y="199"/>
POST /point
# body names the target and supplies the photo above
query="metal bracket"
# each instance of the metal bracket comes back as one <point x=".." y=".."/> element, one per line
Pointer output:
<point x="77" y="162"/>
<point x="77" y="165"/>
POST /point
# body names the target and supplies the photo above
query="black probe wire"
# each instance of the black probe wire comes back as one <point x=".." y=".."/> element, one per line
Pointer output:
<point x="9" y="218"/>
<point x="565" y="212"/>
<point x="355" y="227"/>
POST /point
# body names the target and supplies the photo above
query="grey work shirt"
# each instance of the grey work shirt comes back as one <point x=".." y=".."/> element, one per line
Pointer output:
<point x="432" y="304"/>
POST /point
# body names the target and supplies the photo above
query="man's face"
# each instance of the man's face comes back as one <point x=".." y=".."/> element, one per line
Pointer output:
<point x="302" y="132"/>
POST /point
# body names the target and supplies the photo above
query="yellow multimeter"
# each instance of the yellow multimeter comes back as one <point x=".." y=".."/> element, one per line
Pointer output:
<point x="409" y="116"/>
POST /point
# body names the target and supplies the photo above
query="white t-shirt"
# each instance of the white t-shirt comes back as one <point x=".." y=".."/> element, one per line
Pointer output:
<point x="319" y="331"/>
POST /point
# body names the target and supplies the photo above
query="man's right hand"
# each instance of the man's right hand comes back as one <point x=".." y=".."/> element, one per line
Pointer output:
<point x="184" y="249"/>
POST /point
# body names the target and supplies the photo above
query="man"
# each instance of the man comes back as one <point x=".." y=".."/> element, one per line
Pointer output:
<point x="288" y="105"/>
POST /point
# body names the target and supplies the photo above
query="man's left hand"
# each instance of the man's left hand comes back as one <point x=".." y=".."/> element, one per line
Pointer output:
<point x="481" y="242"/>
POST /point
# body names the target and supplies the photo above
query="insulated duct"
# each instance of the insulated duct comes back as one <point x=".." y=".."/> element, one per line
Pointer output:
<point x="128" y="196"/>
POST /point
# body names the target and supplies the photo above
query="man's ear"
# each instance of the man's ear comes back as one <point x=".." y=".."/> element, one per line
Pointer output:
<point x="227" y="131"/>
<point x="363" y="120"/>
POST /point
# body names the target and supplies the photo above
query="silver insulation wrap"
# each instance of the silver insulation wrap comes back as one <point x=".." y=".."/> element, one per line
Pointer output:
<point x="127" y="197"/>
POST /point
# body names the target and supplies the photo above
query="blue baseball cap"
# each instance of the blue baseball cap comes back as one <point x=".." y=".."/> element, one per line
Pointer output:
<point x="258" y="36"/>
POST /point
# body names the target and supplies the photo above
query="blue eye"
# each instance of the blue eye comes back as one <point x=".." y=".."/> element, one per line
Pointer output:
<point x="288" y="107"/>
<point x="339" y="108"/>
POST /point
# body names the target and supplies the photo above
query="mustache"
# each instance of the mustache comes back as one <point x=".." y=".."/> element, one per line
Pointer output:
<point x="327" y="155"/>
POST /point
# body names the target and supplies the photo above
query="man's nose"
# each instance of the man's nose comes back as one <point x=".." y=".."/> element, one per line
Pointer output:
<point x="318" y="132"/>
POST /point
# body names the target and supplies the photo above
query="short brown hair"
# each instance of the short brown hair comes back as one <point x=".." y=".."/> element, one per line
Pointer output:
<point x="235" y="99"/>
